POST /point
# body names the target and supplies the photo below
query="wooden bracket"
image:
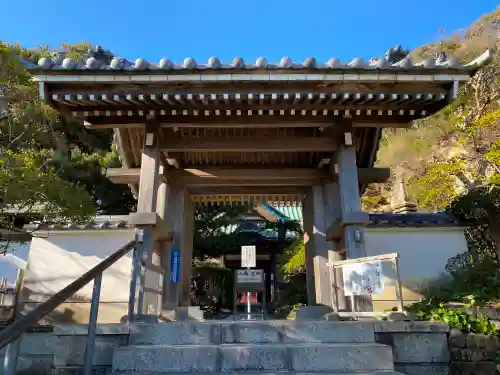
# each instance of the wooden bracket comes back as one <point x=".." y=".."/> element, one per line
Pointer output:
<point x="162" y="228"/>
<point x="335" y="231"/>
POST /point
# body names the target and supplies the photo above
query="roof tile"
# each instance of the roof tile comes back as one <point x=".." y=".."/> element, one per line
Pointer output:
<point x="397" y="59"/>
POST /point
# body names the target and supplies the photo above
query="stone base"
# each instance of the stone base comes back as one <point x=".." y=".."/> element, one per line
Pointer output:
<point x="317" y="312"/>
<point x="331" y="317"/>
<point x="400" y="316"/>
<point x="182" y="313"/>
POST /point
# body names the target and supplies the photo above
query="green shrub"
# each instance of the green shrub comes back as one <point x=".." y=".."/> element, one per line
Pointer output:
<point x="433" y="310"/>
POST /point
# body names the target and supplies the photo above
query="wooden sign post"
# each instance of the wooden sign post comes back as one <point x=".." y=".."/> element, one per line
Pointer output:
<point x="250" y="281"/>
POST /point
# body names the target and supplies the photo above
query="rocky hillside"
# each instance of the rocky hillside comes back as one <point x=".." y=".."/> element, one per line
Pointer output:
<point x="457" y="149"/>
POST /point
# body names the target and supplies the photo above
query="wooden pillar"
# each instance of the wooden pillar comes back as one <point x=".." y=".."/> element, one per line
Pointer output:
<point x="175" y="215"/>
<point x="164" y="205"/>
<point x="281" y="248"/>
<point x="317" y="248"/>
<point x="352" y="219"/>
<point x="307" y="214"/>
<point x="331" y="193"/>
<point x="148" y="183"/>
<point x="146" y="203"/>
<point x="181" y="215"/>
<point x="187" y="250"/>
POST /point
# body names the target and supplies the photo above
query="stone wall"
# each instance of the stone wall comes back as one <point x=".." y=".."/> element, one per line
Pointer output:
<point x="61" y="351"/>
<point x="473" y="354"/>
<point x="419" y="348"/>
<point x="36" y="354"/>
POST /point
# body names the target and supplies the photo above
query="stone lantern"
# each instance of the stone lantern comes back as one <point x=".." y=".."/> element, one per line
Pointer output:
<point x="4" y="101"/>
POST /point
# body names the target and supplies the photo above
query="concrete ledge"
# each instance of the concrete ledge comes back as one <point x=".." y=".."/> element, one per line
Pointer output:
<point x="70" y="350"/>
<point x="413" y="326"/>
<point x="426" y="370"/>
<point x="78" y="370"/>
<point x="313" y="312"/>
<point x="82" y="329"/>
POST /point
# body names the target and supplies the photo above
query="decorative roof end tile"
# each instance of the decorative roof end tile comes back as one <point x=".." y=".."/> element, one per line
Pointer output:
<point x="396" y="54"/>
<point x="238" y="63"/>
<point x="261" y="63"/>
<point x="189" y="63"/>
<point x="310" y="62"/>
<point x="214" y="63"/>
<point x="286" y="62"/>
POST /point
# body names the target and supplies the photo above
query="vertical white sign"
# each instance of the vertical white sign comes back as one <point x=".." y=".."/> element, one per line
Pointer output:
<point x="248" y="258"/>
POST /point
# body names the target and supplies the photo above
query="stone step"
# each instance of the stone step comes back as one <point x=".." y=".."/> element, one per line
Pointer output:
<point x="266" y="373"/>
<point x="184" y="333"/>
<point x="315" y="357"/>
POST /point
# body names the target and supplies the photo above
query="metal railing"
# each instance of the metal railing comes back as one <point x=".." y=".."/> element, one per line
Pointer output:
<point x="11" y="335"/>
<point x="8" y="298"/>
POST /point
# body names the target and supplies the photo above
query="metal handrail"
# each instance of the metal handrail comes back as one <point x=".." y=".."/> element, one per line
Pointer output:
<point x="12" y="333"/>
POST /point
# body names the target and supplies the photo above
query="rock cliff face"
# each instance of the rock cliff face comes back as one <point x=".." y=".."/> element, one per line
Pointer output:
<point x="455" y="150"/>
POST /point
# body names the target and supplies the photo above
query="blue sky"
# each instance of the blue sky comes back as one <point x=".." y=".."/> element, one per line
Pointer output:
<point x="273" y="29"/>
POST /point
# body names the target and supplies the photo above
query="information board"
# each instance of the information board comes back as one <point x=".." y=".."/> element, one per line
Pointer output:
<point x="363" y="278"/>
<point x="248" y="257"/>
<point x="249" y="276"/>
<point x="175" y="266"/>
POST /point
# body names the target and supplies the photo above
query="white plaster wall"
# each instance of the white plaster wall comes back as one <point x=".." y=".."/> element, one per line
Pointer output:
<point x="423" y="254"/>
<point x="59" y="258"/>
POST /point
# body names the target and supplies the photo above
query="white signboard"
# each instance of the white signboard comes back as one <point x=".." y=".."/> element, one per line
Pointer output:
<point x="248" y="256"/>
<point x="363" y="278"/>
<point x="249" y="276"/>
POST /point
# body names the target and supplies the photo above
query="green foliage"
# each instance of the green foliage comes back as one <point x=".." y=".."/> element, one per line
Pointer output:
<point x="293" y="272"/>
<point x="436" y="187"/>
<point x="294" y="260"/>
<point x="27" y="185"/>
<point x="480" y="209"/>
<point x="211" y="238"/>
<point x="212" y="288"/>
<point x="288" y="311"/>
<point x="456" y="149"/>
<point x="51" y="167"/>
<point x="433" y="310"/>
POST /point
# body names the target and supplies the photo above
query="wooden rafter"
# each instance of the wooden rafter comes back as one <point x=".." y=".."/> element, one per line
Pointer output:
<point x="249" y="144"/>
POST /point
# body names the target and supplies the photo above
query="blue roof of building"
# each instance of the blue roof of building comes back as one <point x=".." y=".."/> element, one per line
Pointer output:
<point x="412" y="219"/>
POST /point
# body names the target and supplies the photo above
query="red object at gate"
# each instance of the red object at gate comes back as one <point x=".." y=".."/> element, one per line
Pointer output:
<point x="244" y="299"/>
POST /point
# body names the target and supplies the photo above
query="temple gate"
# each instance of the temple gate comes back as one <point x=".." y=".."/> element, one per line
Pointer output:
<point x="222" y="133"/>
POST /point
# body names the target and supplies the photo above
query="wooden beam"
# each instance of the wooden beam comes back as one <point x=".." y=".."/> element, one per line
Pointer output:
<point x="249" y="144"/>
<point x="230" y="125"/>
<point x="299" y="120"/>
<point x="230" y="173"/>
<point x="373" y="175"/>
<point x="194" y="181"/>
<point x="247" y="190"/>
<point x="231" y="87"/>
<point x="203" y="175"/>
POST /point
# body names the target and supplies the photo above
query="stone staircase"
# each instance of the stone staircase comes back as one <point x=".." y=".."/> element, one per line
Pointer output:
<point x="259" y="347"/>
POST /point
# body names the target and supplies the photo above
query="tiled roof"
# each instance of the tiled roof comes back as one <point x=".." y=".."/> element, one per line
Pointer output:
<point x="420" y="219"/>
<point x="396" y="58"/>
<point x="99" y="222"/>
<point x="284" y="212"/>
<point x="414" y="219"/>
